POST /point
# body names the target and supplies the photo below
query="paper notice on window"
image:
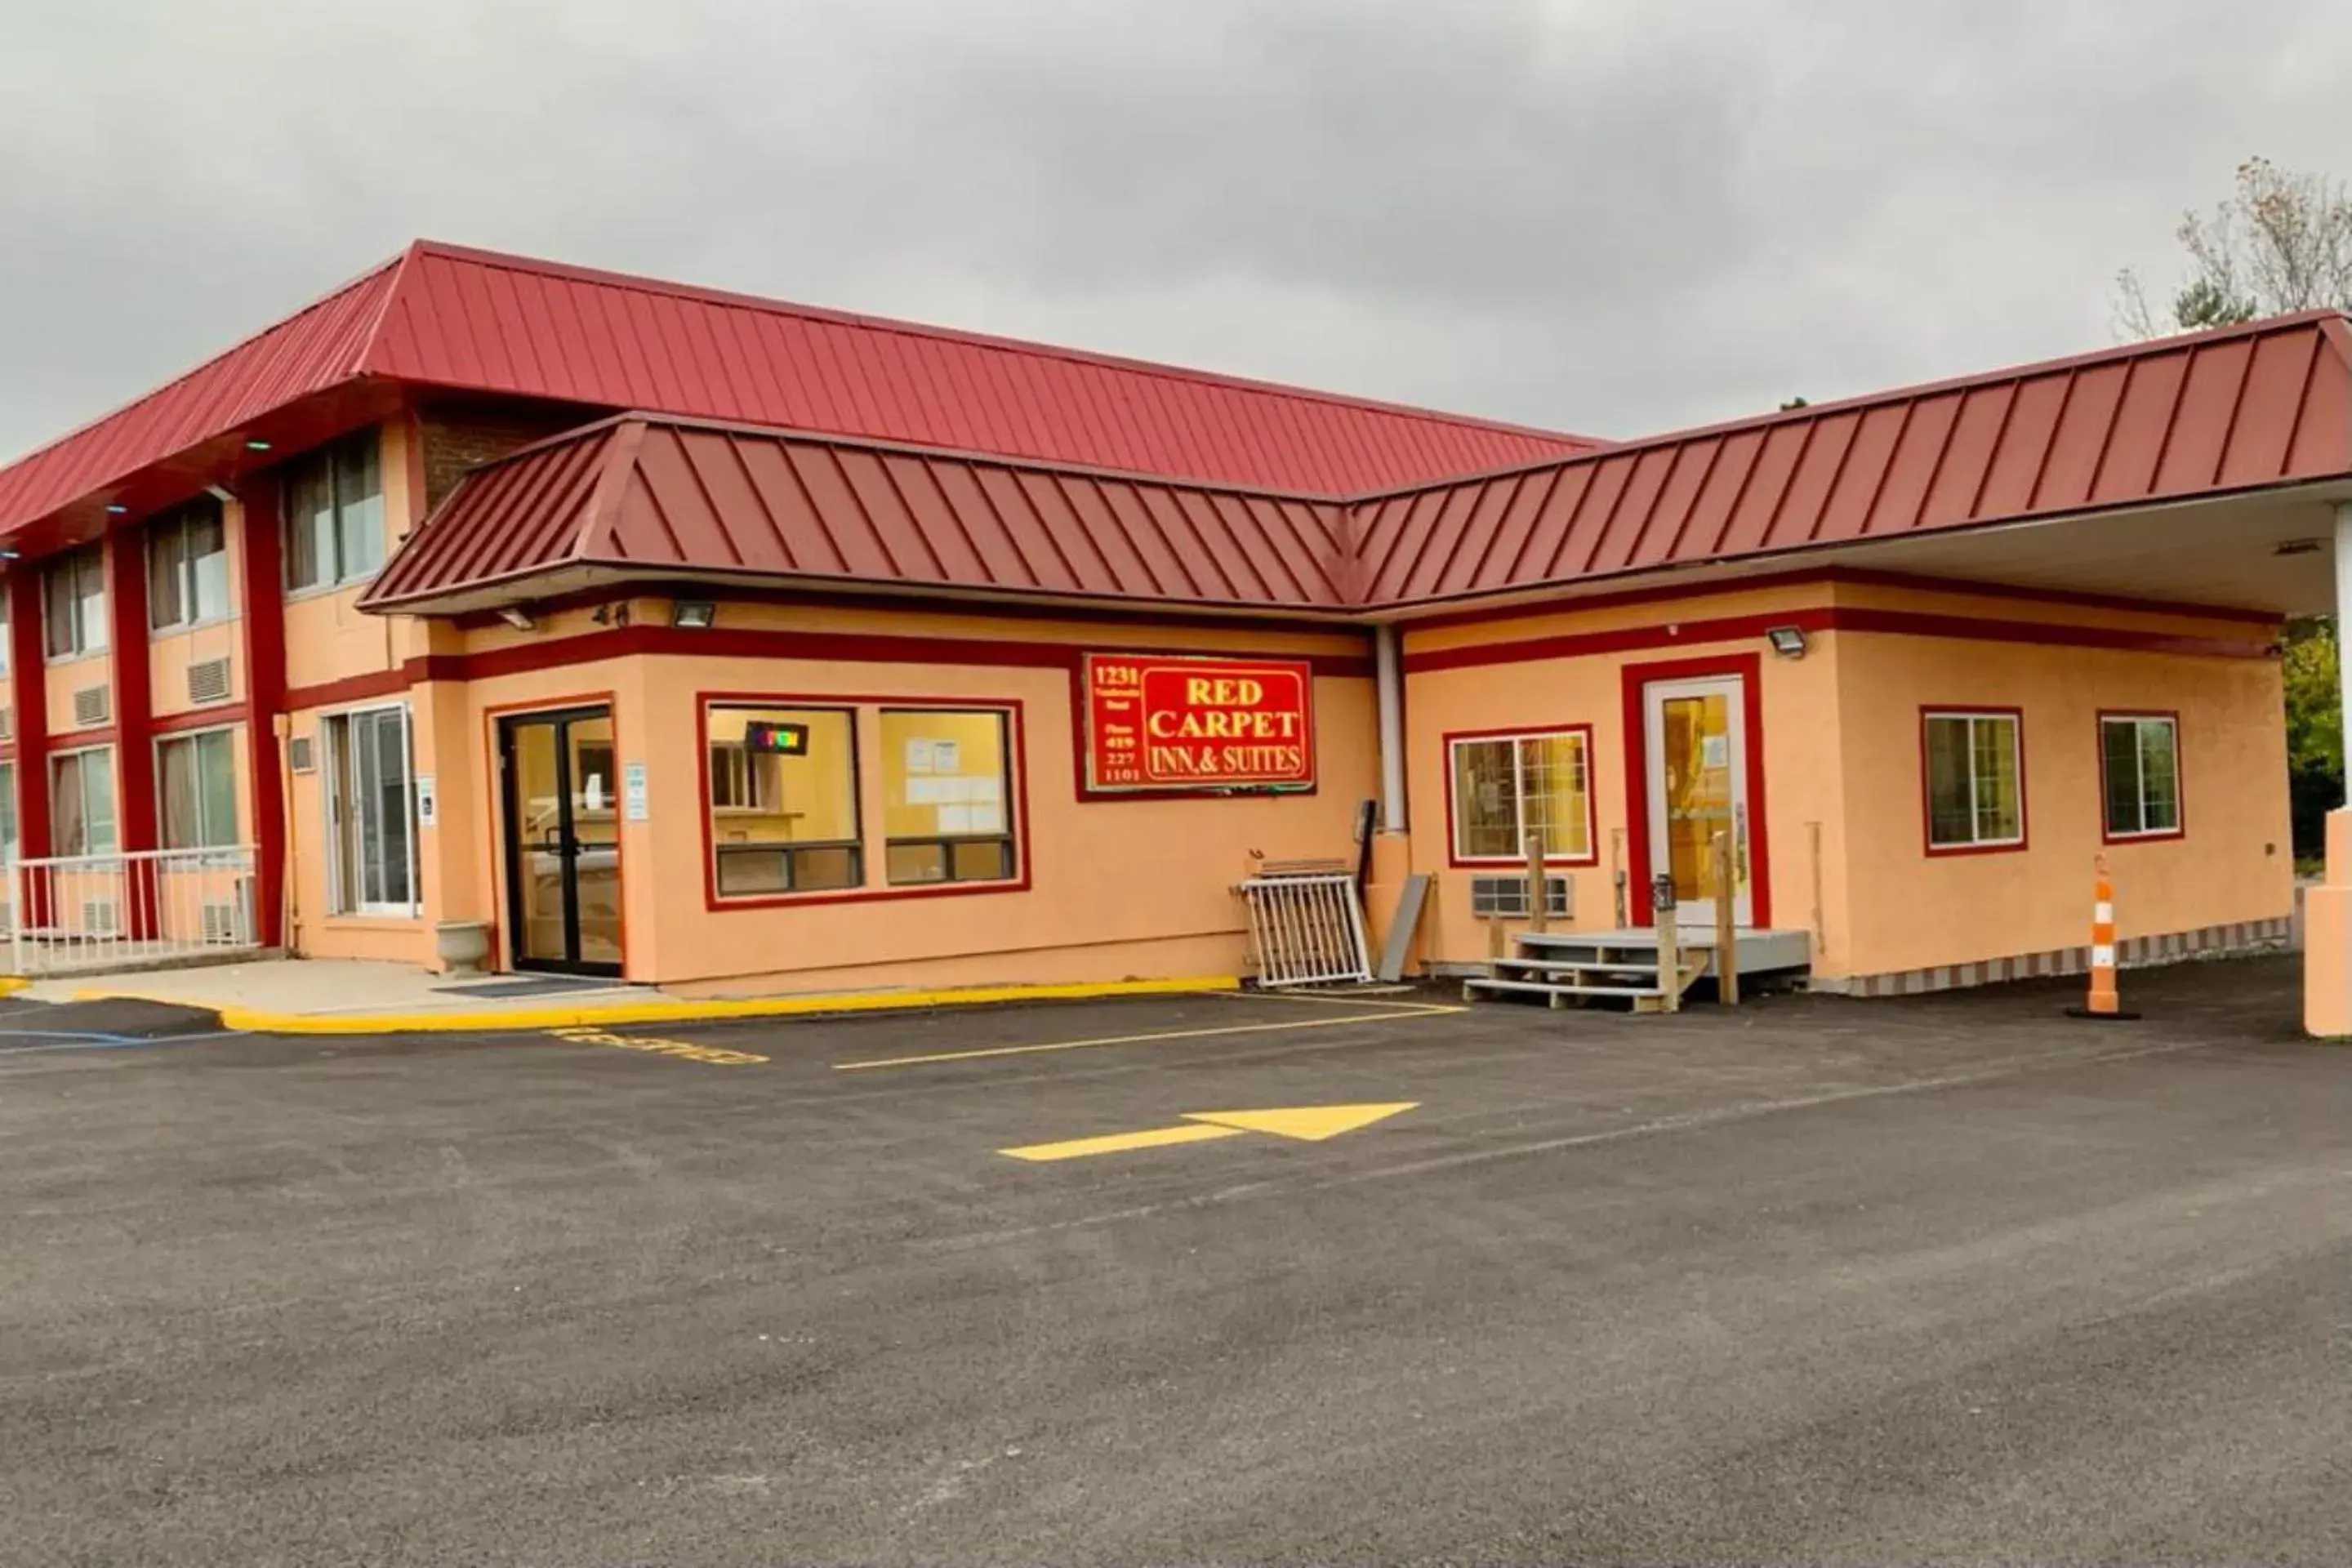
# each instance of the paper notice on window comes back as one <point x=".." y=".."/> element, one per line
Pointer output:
<point x="984" y="818"/>
<point x="990" y="790"/>
<point x="947" y="757"/>
<point x="956" y="819"/>
<point x="927" y="791"/>
<point x="918" y="755"/>
<point x="1715" y="752"/>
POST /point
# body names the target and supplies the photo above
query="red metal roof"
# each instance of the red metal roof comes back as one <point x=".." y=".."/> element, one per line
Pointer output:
<point x="317" y="348"/>
<point x="478" y="321"/>
<point x="2241" y="408"/>
<point x="642" y="495"/>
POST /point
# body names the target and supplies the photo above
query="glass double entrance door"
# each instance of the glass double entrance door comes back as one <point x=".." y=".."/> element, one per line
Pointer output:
<point x="562" y="840"/>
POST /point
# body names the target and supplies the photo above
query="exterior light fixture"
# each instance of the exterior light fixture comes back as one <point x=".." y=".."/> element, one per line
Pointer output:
<point x="2298" y="547"/>
<point x="516" y="617"/>
<point x="116" y="509"/>
<point x="1789" y="642"/>
<point x="693" y="614"/>
<point x="6" y="553"/>
<point x="257" y="445"/>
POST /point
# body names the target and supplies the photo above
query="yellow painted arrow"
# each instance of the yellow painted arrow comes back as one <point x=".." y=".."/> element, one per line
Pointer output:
<point x="1307" y="1123"/>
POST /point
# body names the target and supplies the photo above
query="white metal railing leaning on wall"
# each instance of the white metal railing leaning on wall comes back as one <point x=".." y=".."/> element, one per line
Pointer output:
<point x="108" y="911"/>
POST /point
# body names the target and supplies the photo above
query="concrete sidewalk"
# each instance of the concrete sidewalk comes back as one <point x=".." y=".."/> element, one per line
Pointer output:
<point x="360" y="996"/>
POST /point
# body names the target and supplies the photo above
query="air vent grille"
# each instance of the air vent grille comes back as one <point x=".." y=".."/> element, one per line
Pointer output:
<point x="1505" y="897"/>
<point x="92" y="705"/>
<point x="208" y="681"/>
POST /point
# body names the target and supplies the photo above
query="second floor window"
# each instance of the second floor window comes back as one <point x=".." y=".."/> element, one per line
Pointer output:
<point x="73" y="609"/>
<point x="335" y="515"/>
<point x="187" y="568"/>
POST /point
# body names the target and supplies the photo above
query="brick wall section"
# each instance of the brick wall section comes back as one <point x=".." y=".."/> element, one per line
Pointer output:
<point x="459" y="436"/>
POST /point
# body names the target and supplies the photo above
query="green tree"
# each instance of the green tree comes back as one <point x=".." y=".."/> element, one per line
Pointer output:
<point x="2315" y="732"/>
<point x="2281" y="241"/>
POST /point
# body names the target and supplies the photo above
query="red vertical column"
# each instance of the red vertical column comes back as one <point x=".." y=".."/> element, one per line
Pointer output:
<point x="136" y="815"/>
<point x="29" y="673"/>
<point x="261" y="597"/>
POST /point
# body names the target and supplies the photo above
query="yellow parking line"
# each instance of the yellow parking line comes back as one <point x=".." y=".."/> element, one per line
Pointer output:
<point x="1120" y="1143"/>
<point x="983" y="1052"/>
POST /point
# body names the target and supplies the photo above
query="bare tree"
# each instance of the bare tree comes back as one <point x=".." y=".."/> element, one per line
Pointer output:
<point x="2282" y="242"/>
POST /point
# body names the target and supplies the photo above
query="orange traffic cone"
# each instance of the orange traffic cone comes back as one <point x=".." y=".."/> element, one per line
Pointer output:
<point x="2103" y="1002"/>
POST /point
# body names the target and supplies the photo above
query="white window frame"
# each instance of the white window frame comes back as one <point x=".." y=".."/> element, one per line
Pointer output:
<point x="163" y="815"/>
<point x="1517" y="741"/>
<point x="78" y="624"/>
<point x="115" y="790"/>
<point x="334" y="742"/>
<point x="2140" y="722"/>
<point x="174" y="526"/>
<point x="1973" y="716"/>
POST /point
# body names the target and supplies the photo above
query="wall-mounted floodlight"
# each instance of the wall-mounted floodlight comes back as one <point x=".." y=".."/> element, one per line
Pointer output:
<point x="693" y="614"/>
<point x="1789" y="642"/>
<point x="516" y="617"/>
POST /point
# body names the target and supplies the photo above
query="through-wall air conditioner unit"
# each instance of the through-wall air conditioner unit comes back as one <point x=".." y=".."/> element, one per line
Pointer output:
<point x="208" y="681"/>
<point x="91" y="707"/>
<point x="298" y="753"/>
<point x="1505" y="897"/>
<point x="100" y="917"/>
<point x="222" y="924"/>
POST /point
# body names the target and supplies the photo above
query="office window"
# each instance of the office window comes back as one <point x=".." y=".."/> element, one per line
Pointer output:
<point x="371" y="812"/>
<point x="81" y="802"/>
<point x="334" y="514"/>
<point x="783" y="800"/>
<point x="948" y="794"/>
<point x="74" y="604"/>
<point x="2140" y="760"/>
<point x="197" y="776"/>
<point x="187" y="568"/>
<point x="1508" y="786"/>
<point x="1976" y="773"/>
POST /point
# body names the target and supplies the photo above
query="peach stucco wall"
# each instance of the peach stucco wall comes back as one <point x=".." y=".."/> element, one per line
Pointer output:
<point x="1843" y="771"/>
<point x="1116" y="888"/>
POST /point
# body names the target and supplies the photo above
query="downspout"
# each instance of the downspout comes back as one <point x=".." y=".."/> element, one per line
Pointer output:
<point x="1389" y="677"/>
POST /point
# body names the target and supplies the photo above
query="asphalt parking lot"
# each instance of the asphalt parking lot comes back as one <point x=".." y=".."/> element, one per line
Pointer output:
<point x="1949" y="1279"/>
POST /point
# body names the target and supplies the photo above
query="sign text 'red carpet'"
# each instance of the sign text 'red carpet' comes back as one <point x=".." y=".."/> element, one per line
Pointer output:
<point x="1197" y="723"/>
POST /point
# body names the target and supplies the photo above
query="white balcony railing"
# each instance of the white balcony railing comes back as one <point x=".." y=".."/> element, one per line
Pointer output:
<point x="127" y="912"/>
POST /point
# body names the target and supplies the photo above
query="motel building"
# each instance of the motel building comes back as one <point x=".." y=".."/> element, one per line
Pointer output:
<point x="649" y="631"/>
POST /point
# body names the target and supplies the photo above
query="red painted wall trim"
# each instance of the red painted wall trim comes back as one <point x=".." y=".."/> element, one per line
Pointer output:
<point x="261" y="596"/>
<point x="828" y="647"/>
<point x="1860" y="575"/>
<point x="218" y="717"/>
<point x="1636" y="677"/>
<point x="30" y="693"/>
<point x="1830" y="618"/>
<point x="138" y="816"/>
<point x="1927" y="799"/>
<point x="1591" y="855"/>
<point x="2179" y="829"/>
<point x="1017" y="763"/>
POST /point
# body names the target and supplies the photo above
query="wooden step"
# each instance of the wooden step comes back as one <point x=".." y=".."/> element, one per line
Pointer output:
<point x="1557" y="992"/>
<point x="1578" y="966"/>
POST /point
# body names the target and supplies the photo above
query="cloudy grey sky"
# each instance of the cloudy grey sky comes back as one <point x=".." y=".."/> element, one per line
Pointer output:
<point x="1606" y="215"/>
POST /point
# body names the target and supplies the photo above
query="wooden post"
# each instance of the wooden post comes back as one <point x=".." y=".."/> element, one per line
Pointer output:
<point x="1727" y="925"/>
<point x="1670" y="959"/>
<point x="1624" y="920"/>
<point x="1820" y="932"/>
<point x="1538" y="906"/>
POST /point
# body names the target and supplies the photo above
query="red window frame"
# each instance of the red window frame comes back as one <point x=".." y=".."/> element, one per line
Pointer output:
<point x="2024" y="839"/>
<point x="2179" y="829"/>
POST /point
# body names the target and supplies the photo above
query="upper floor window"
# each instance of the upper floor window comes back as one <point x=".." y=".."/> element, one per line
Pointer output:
<point x="187" y="568"/>
<point x="334" y="514"/>
<point x="74" y="604"/>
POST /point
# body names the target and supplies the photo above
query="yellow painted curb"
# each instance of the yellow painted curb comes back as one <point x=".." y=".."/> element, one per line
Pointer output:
<point x="674" y="1011"/>
<point x="11" y="984"/>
